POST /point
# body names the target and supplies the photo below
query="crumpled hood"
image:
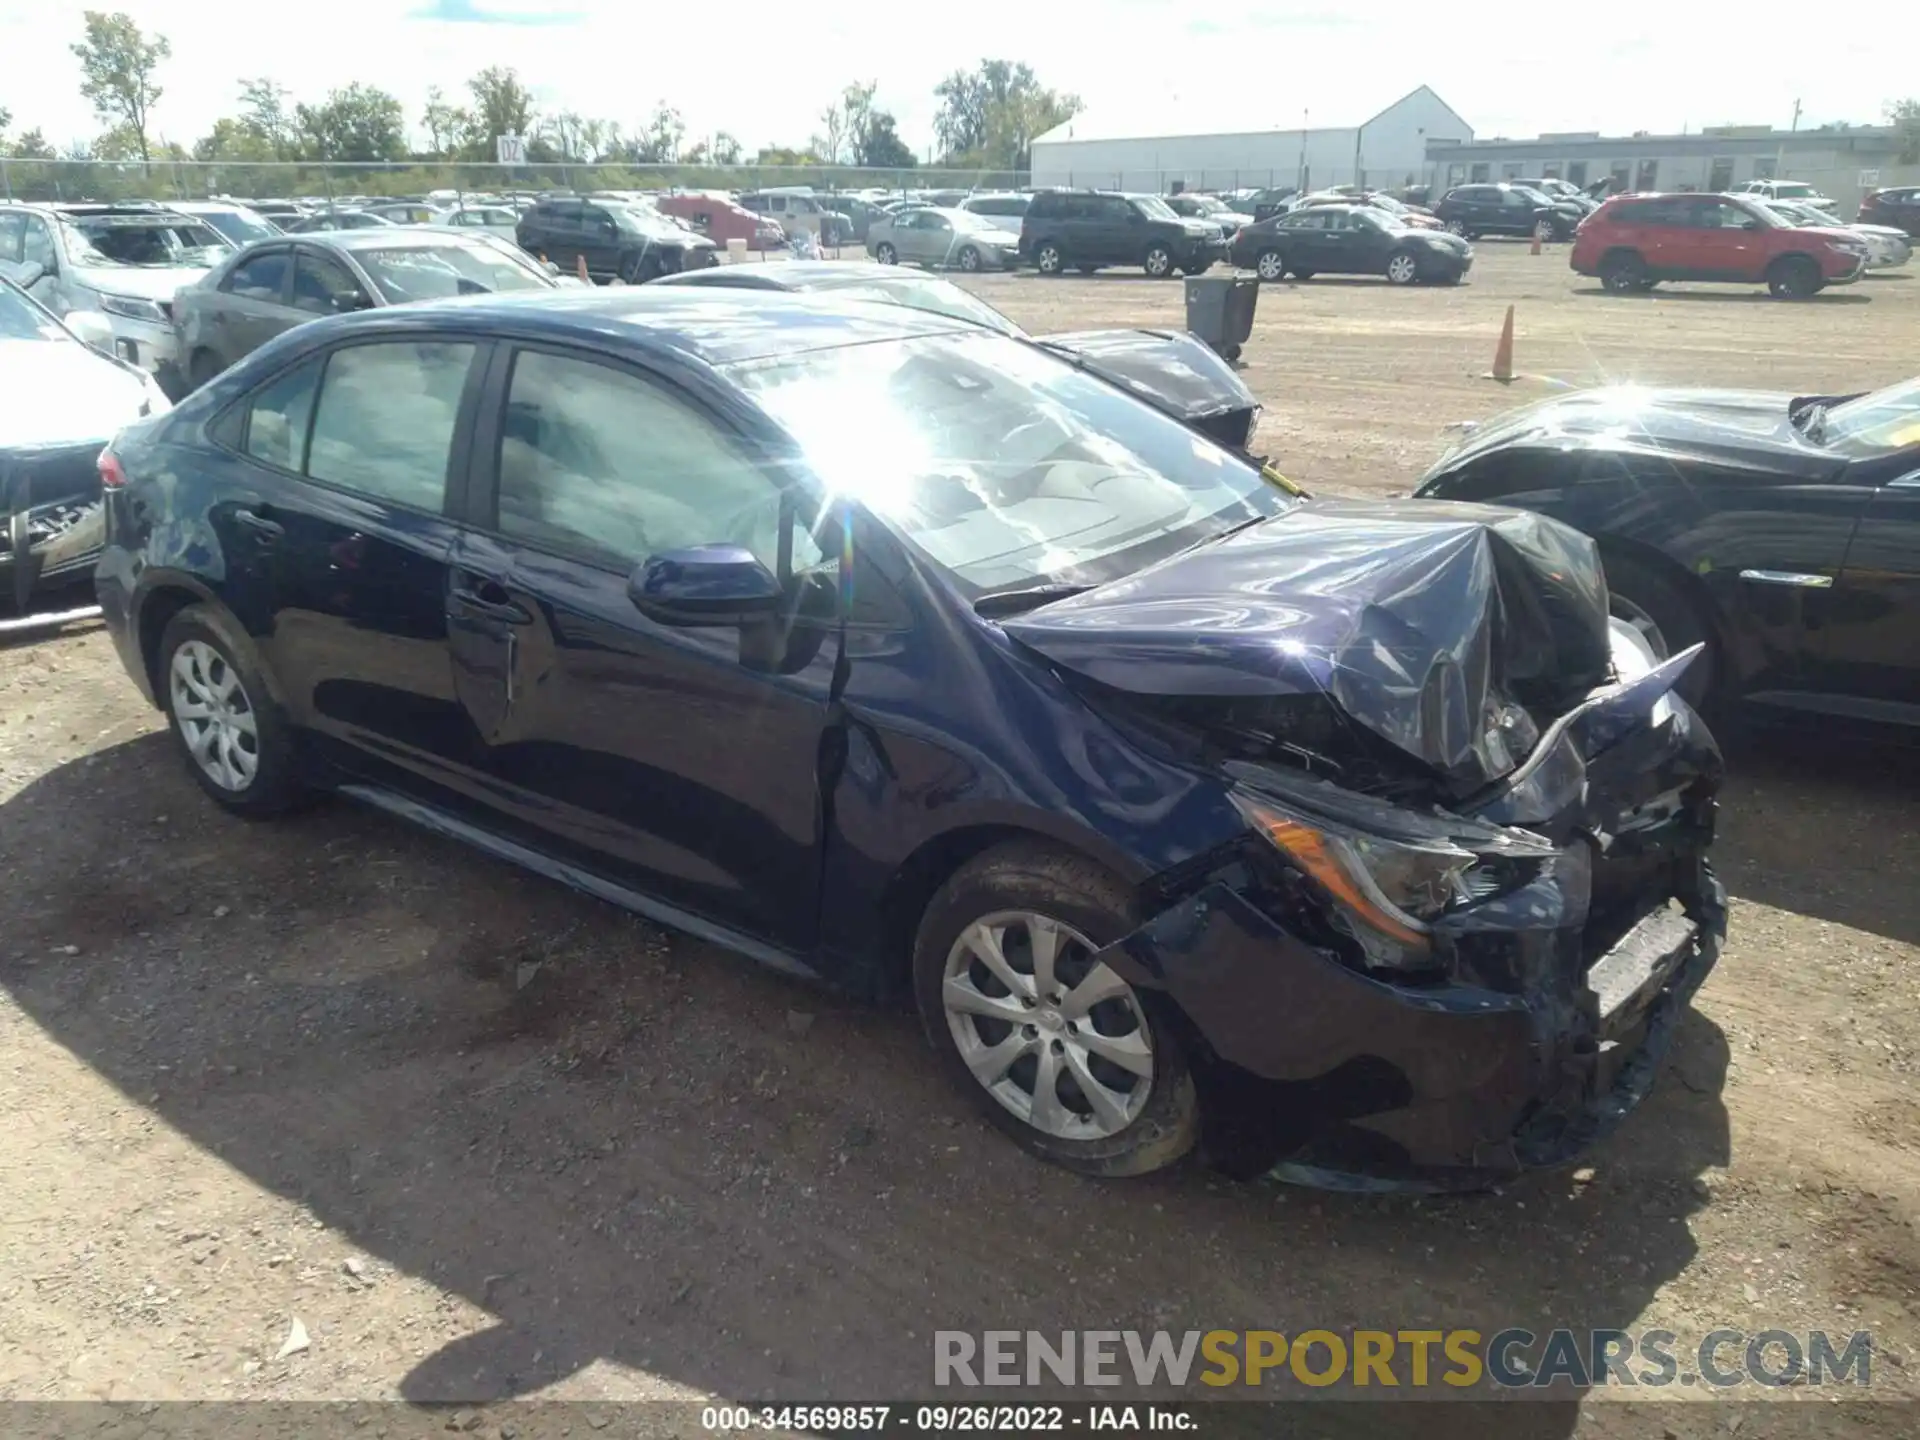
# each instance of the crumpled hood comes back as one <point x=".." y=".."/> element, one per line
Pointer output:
<point x="160" y="282"/>
<point x="1168" y="368"/>
<point x="60" y="392"/>
<point x="1744" y="426"/>
<point x="1426" y="622"/>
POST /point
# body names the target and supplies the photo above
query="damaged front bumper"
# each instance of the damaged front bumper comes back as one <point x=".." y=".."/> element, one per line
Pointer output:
<point x="1535" y="1031"/>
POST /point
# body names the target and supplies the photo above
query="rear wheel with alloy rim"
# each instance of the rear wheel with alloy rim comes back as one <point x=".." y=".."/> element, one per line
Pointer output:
<point x="1402" y="268"/>
<point x="1543" y="230"/>
<point x="885" y="253"/>
<point x="1048" y="259"/>
<point x="1159" y="262"/>
<point x="1053" y="1044"/>
<point x="1270" y="265"/>
<point x="233" y="737"/>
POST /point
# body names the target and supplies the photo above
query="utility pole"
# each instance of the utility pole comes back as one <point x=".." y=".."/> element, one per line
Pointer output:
<point x="1304" y="115"/>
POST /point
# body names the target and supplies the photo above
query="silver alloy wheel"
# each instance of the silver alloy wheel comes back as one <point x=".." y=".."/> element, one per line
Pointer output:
<point x="1159" y="261"/>
<point x="969" y="258"/>
<point x="885" y="254"/>
<point x="215" y="715"/>
<point x="1056" y="1036"/>
<point x="1047" y="262"/>
<point x="1624" y="610"/>
<point x="1456" y="227"/>
<point x="1402" y="269"/>
<point x="1271" y="265"/>
<point x="1543" y="230"/>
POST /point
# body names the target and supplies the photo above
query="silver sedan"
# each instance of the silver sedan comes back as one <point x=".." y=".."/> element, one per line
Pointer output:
<point x="928" y="236"/>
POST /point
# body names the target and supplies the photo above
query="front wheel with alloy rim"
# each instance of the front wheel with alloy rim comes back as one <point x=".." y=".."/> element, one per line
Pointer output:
<point x="1623" y="273"/>
<point x="1793" y="278"/>
<point x="1543" y="231"/>
<point x="1054" y="1046"/>
<point x="1049" y="260"/>
<point x="1270" y="265"/>
<point x="1158" y="262"/>
<point x="233" y="737"/>
<point x="885" y="253"/>
<point x="968" y="258"/>
<point x="1402" y="268"/>
<point x="1656" y="605"/>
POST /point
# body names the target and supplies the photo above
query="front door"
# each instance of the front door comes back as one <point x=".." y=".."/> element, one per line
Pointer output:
<point x="1868" y="648"/>
<point x="599" y="241"/>
<point x="340" y="540"/>
<point x="679" y="760"/>
<point x="1724" y="240"/>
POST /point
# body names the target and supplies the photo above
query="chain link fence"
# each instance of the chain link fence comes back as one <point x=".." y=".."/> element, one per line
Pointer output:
<point x="110" y="180"/>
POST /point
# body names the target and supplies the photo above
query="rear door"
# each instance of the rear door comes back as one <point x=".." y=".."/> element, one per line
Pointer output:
<point x="560" y="238"/>
<point x="340" y="535"/>
<point x="250" y="307"/>
<point x="680" y="760"/>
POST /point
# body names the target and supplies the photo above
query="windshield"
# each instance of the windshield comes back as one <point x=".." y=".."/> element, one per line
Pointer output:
<point x="1791" y="190"/>
<point x="161" y="244"/>
<point x="968" y="223"/>
<point x="435" y="272"/>
<point x="1534" y="195"/>
<point x="240" y="227"/>
<point x="1387" y="203"/>
<point x="21" y="319"/>
<point x="1154" y="208"/>
<point x="1875" y="424"/>
<point x="936" y="296"/>
<point x="1003" y="465"/>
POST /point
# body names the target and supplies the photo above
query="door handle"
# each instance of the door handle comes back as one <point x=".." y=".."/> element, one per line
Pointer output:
<point x="267" y="531"/>
<point x="508" y="612"/>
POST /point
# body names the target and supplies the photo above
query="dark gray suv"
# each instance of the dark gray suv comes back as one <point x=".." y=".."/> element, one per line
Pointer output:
<point x="1088" y="229"/>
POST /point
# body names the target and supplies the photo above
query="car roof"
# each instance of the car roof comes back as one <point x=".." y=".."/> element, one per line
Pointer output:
<point x="712" y="324"/>
<point x="391" y="237"/>
<point x="798" y="276"/>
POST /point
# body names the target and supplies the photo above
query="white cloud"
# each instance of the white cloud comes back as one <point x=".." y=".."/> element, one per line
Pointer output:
<point x="764" y="71"/>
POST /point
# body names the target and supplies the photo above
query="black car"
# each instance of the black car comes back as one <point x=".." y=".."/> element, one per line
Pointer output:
<point x="1169" y="369"/>
<point x="901" y="654"/>
<point x="1781" y="531"/>
<point x="618" y="242"/>
<point x="1087" y="229"/>
<point x="1899" y="207"/>
<point x="1263" y="204"/>
<point x="1349" y="240"/>
<point x="1475" y="210"/>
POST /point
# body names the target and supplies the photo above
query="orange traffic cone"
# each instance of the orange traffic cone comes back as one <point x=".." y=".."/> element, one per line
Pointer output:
<point x="585" y="279"/>
<point x="1503" y="352"/>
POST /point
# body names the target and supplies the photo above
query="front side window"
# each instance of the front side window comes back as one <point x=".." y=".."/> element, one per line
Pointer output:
<point x="598" y="460"/>
<point x="385" y="420"/>
<point x="1002" y="464"/>
<point x="323" y="286"/>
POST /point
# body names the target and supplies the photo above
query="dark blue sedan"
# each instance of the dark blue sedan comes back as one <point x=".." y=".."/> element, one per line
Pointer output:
<point x="906" y="655"/>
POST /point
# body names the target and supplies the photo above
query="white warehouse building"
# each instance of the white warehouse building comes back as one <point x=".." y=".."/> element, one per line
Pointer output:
<point x="1089" y="152"/>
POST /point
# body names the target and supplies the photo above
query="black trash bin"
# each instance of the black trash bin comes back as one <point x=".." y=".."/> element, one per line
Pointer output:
<point x="1220" y="310"/>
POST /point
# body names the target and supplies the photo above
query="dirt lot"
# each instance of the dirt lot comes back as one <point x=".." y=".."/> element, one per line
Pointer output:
<point x="484" y="1138"/>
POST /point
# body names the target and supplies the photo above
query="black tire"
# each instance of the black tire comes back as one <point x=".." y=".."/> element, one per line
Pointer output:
<point x="1793" y="277"/>
<point x="1623" y="272"/>
<point x="275" y="786"/>
<point x="203" y="367"/>
<point x="1158" y="262"/>
<point x="886" y="254"/>
<point x="1230" y="353"/>
<point x="968" y="259"/>
<point x="1646" y="596"/>
<point x="1403" y="267"/>
<point x="1049" y="258"/>
<point x="1270" y="266"/>
<point x="1073" y="891"/>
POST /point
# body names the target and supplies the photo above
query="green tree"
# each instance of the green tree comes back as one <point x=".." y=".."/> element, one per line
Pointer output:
<point x="659" y="143"/>
<point x="6" y="119"/>
<point x="878" y="145"/>
<point x="1904" y="116"/>
<point x="234" y="142"/>
<point x="725" y="149"/>
<point x="117" y="68"/>
<point x="360" y="122"/>
<point x="33" y="146"/>
<point x="989" y="117"/>
<point x="501" y="106"/>
<point x="446" y="125"/>
<point x="781" y="155"/>
<point x="263" y="111"/>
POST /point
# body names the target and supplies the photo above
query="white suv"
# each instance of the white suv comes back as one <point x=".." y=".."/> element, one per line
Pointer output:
<point x="1786" y="190"/>
<point x="125" y="261"/>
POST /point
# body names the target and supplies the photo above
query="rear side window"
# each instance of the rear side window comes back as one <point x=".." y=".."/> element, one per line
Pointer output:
<point x="259" y="278"/>
<point x="278" y="415"/>
<point x="385" y="420"/>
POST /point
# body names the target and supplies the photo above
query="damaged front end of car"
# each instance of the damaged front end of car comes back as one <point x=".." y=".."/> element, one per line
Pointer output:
<point x="1467" y="908"/>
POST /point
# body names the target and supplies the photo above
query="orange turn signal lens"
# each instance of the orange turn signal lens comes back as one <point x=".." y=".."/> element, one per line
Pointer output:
<point x="1320" y="856"/>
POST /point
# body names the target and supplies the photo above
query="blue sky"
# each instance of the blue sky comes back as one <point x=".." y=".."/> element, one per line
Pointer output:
<point x="764" y="71"/>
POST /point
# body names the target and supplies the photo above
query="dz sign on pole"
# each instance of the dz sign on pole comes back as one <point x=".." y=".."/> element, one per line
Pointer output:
<point x="510" y="149"/>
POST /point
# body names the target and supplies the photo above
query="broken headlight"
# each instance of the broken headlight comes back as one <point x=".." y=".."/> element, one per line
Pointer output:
<point x="1391" y="878"/>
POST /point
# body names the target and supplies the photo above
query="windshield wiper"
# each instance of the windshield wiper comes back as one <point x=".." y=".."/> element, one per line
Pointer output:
<point x="1013" y="602"/>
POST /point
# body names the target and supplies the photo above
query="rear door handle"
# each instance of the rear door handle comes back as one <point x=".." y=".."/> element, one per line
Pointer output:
<point x="267" y="531"/>
<point x="508" y="612"/>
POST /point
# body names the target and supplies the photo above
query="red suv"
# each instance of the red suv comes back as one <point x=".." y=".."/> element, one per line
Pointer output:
<point x="1633" y="242"/>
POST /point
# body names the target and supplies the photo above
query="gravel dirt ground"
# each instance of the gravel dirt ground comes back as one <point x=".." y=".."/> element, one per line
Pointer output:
<point x="478" y="1137"/>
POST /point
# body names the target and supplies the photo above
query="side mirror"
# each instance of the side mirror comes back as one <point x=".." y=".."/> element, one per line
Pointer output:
<point x="707" y="585"/>
<point x="1750" y="225"/>
<point x="344" y="302"/>
<point x="28" y="274"/>
<point x="91" y="328"/>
